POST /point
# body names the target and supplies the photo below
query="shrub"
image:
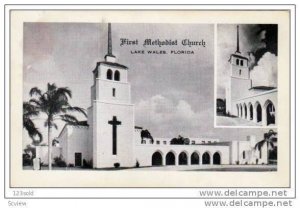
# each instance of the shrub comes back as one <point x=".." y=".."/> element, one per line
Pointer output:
<point x="27" y="160"/>
<point x="117" y="165"/>
<point x="59" y="162"/>
<point x="71" y="165"/>
<point x="237" y="162"/>
<point x="137" y="164"/>
<point x="87" y="164"/>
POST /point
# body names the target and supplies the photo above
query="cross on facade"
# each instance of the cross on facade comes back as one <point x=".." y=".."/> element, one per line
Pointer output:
<point x="114" y="122"/>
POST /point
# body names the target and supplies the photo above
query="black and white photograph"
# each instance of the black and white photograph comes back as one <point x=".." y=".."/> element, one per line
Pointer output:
<point x="247" y="75"/>
<point x="140" y="97"/>
<point x="105" y="104"/>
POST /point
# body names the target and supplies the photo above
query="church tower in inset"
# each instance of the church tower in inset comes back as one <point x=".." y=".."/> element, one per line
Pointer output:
<point x="111" y="115"/>
<point x="240" y="81"/>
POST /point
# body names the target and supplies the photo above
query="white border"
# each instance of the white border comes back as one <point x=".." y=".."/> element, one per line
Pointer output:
<point x="137" y="192"/>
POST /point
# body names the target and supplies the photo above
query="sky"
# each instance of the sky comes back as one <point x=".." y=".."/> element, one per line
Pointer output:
<point x="173" y="94"/>
<point x="258" y="43"/>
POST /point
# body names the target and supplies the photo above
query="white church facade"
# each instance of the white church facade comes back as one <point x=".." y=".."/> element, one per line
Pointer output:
<point x="257" y="104"/>
<point x="112" y="138"/>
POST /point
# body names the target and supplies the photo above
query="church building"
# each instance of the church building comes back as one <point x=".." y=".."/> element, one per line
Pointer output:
<point x="112" y="139"/>
<point x="257" y="104"/>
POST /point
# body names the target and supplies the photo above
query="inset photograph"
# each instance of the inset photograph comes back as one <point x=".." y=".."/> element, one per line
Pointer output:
<point x="246" y="73"/>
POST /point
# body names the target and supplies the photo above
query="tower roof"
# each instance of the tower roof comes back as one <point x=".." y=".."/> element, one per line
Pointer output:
<point x="109" y="42"/>
<point x="237" y="53"/>
<point x="237" y="40"/>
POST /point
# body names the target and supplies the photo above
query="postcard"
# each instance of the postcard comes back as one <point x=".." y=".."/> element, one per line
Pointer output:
<point x="150" y="98"/>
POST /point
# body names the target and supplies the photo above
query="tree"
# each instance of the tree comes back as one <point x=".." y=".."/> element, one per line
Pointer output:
<point x="269" y="139"/>
<point x="180" y="140"/>
<point x="55" y="104"/>
<point x="146" y="134"/>
<point x="30" y="111"/>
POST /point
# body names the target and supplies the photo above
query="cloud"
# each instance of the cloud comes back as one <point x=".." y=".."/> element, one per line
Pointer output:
<point x="265" y="73"/>
<point x="168" y="118"/>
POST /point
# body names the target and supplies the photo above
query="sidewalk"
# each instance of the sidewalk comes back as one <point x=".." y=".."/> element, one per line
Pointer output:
<point x="233" y="121"/>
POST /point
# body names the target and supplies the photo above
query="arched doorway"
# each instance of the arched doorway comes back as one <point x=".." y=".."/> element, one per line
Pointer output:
<point x="217" y="159"/>
<point x="170" y="158"/>
<point x="156" y="159"/>
<point x="205" y="158"/>
<point x="245" y="110"/>
<point x="258" y="113"/>
<point x="250" y="111"/>
<point x="270" y="111"/>
<point x="195" y="160"/>
<point x="241" y="111"/>
<point x="183" y="159"/>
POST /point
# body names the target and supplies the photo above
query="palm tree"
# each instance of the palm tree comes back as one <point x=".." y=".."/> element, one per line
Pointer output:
<point x="269" y="140"/>
<point x="30" y="111"/>
<point x="55" y="104"/>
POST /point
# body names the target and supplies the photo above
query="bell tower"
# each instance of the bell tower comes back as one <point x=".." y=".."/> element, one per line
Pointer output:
<point x="240" y="82"/>
<point x="111" y="112"/>
<point x="238" y="62"/>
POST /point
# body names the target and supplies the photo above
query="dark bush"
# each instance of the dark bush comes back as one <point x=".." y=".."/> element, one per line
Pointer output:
<point x="87" y="164"/>
<point x="137" y="164"/>
<point x="59" y="162"/>
<point x="71" y="165"/>
<point x="117" y="165"/>
<point x="27" y="161"/>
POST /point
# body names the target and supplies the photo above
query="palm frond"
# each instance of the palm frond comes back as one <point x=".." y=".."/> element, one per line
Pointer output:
<point x="31" y="129"/>
<point x="64" y="91"/>
<point x="259" y="144"/>
<point x="35" y="102"/>
<point x="29" y="110"/>
<point x="75" y="109"/>
<point x="51" y="87"/>
<point x="69" y="118"/>
<point x="35" y="91"/>
<point x="54" y="125"/>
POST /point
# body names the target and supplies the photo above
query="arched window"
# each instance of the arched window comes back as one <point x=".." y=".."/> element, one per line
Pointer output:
<point x="244" y="155"/>
<point x="242" y="62"/>
<point x="117" y="76"/>
<point x="240" y="72"/>
<point x="237" y="61"/>
<point x="109" y="74"/>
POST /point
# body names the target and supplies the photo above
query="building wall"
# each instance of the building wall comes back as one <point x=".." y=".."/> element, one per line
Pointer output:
<point x="263" y="99"/>
<point x="42" y="152"/>
<point x="239" y="70"/>
<point x="74" y="140"/>
<point x="103" y="69"/>
<point x="102" y="131"/>
<point x="89" y="155"/>
<point x="244" y="152"/>
<point x="144" y="152"/>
